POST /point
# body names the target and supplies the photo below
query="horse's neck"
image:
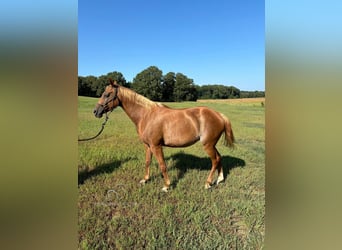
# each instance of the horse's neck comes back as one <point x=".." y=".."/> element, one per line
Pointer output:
<point x="133" y="110"/>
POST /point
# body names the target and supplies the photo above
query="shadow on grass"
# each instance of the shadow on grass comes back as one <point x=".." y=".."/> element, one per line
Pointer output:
<point x="184" y="161"/>
<point x="105" y="168"/>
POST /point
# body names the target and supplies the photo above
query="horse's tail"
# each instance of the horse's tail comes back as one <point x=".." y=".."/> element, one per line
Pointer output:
<point x="228" y="132"/>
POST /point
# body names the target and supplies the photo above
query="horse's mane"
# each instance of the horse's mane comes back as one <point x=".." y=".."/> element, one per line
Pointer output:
<point x="139" y="99"/>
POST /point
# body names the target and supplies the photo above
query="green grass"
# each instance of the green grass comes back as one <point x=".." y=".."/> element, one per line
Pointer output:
<point x="116" y="212"/>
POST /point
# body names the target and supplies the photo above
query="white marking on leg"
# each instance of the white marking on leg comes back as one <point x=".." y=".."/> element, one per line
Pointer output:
<point x="143" y="181"/>
<point x="220" y="178"/>
<point x="165" y="189"/>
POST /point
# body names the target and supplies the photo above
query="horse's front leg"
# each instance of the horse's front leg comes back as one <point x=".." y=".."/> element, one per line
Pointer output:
<point x="148" y="157"/>
<point x="158" y="153"/>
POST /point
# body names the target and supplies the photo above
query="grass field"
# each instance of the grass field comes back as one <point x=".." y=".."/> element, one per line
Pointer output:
<point x="116" y="212"/>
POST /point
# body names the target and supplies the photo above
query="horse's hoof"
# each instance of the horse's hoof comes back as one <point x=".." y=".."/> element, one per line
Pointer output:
<point x="207" y="186"/>
<point x="165" y="189"/>
<point x="220" y="178"/>
<point x="142" y="182"/>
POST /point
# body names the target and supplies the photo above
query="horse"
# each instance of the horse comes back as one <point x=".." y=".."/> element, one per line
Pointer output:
<point x="159" y="125"/>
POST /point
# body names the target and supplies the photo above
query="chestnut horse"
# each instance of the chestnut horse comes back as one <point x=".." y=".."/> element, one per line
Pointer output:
<point x="159" y="125"/>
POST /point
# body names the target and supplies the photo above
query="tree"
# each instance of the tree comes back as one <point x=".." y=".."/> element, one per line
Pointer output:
<point x="218" y="92"/>
<point x="233" y="92"/>
<point x="184" y="89"/>
<point x="148" y="83"/>
<point x="168" y="86"/>
<point x="205" y="92"/>
<point x="252" y="94"/>
<point x="81" y="88"/>
<point x="119" y="78"/>
<point x="100" y="85"/>
<point x="94" y="86"/>
<point x="103" y="81"/>
<point x="86" y="85"/>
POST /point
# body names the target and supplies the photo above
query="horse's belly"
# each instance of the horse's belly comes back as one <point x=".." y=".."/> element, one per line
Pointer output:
<point x="180" y="143"/>
<point x="180" y="138"/>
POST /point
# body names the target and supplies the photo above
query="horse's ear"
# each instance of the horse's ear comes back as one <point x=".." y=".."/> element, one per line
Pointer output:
<point x="113" y="83"/>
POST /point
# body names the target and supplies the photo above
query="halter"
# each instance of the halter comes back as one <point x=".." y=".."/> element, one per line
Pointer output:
<point x="115" y="96"/>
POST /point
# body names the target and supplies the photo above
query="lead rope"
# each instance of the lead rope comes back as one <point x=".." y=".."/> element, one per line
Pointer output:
<point x="103" y="125"/>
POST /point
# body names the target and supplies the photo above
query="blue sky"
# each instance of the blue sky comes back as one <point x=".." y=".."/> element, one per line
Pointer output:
<point x="212" y="42"/>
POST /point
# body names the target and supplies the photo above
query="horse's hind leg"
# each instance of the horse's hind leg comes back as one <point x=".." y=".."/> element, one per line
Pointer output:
<point x="220" y="177"/>
<point x="148" y="158"/>
<point x="215" y="162"/>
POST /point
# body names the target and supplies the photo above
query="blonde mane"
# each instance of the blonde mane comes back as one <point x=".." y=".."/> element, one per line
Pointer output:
<point x="139" y="99"/>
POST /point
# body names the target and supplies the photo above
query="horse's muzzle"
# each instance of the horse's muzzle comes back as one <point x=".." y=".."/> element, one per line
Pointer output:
<point x="98" y="111"/>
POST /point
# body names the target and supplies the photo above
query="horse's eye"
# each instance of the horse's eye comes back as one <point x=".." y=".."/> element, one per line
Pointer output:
<point x="106" y="95"/>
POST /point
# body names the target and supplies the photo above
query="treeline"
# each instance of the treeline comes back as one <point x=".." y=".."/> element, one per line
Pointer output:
<point x="170" y="87"/>
<point x="252" y="94"/>
<point x="218" y="92"/>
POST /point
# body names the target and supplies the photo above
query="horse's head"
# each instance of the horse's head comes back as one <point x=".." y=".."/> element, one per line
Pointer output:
<point x="108" y="100"/>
